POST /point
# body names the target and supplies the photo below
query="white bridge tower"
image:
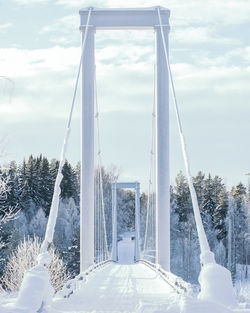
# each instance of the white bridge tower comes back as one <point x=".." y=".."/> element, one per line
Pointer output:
<point x="125" y="19"/>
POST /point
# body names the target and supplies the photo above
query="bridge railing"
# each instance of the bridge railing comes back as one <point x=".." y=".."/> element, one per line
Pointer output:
<point x="177" y="283"/>
<point x="76" y="283"/>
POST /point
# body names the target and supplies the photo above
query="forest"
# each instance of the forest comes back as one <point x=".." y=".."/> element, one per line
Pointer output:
<point x="29" y="191"/>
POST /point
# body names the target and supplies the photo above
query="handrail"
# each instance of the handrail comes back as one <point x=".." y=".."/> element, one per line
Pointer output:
<point x="177" y="283"/>
<point x="75" y="283"/>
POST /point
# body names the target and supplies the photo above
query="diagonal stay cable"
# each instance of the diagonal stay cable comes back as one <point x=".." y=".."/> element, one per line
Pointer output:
<point x="55" y="200"/>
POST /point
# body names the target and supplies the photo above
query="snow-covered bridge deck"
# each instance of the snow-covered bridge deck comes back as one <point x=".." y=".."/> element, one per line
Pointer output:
<point x="133" y="288"/>
<point x="119" y="288"/>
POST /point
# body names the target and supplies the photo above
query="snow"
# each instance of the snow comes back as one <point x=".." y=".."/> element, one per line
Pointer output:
<point x="216" y="285"/>
<point x="124" y="287"/>
<point x="117" y="288"/>
<point x="36" y="288"/>
<point x="126" y="249"/>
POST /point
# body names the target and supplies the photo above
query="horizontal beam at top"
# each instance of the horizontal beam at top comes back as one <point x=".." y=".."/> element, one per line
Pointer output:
<point x="125" y="185"/>
<point x="146" y="18"/>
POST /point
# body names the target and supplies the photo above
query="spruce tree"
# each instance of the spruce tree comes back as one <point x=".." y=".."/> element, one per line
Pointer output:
<point x="208" y="202"/>
<point x="182" y="198"/>
<point x="23" y="188"/>
<point x="199" y="185"/>
<point x="32" y="175"/>
<point x="67" y="184"/>
<point x="73" y="255"/>
<point x="240" y="222"/>
<point x="220" y="215"/>
<point x="46" y="186"/>
<point x="54" y="165"/>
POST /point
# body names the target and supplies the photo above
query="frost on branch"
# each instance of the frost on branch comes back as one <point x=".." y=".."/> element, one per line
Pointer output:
<point x="24" y="258"/>
<point x="6" y="214"/>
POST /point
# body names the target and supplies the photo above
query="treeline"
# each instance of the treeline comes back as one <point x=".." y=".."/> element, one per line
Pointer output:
<point x="224" y="216"/>
<point x="33" y="182"/>
<point x="30" y="189"/>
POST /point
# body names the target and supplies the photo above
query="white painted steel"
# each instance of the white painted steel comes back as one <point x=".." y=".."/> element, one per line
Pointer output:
<point x="137" y="222"/>
<point x="87" y="154"/>
<point x="114" y="222"/>
<point x="126" y="184"/>
<point x="123" y="19"/>
<point x="145" y="18"/>
<point x="162" y="156"/>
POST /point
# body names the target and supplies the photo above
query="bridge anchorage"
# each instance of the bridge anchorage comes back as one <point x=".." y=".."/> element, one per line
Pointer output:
<point x="221" y="290"/>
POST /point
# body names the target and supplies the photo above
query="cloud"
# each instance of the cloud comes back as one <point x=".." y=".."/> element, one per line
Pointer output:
<point x="125" y="75"/>
<point x="30" y="2"/>
<point x="5" y="27"/>
<point x="63" y="31"/>
<point x="16" y="63"/>
<point x="226" y="80"/>
<point x="201" y="35"/>
<point x="183" y="12"/>
<point x="242" y="53"/>
<point x="43" y="81"/>
<point x="192" y="22"/>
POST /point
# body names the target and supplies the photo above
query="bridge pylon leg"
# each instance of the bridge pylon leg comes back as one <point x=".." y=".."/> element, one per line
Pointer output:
<point x="162" y="156"/>
<point x="114" y="223"/>
<point x="137" y="222"/>
<point x="87" y="154"/>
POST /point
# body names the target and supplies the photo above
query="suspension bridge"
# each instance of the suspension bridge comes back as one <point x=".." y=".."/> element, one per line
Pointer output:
<point x="129" y="277"/>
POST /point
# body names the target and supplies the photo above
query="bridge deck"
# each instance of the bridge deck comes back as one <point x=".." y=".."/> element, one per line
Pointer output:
<point x="119" y="288"/>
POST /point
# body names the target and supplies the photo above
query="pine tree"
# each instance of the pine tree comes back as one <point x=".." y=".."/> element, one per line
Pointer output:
<point x="77" y="178"/>
<point x="9" y="200"/>
<point x="54" y="165"/>
<point x="73" y="255"/>
<point x="67" y="185"/>
<point x="208" y="202"/>
<point x="23" y="189"/>
<point x="12" y="194"/>
<point x="240" y="222"/>
<point x="32" y="179"/>
<point x="46" y="186"/>
<point x="182" y="198"/>
<point x="231" y="239"/>
<point x="199" y="185"/>
<point x="220" y="215"/>
<point x="186" y="231"/>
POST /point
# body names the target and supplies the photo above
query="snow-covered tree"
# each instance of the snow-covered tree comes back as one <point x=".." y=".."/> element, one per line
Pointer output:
<point x="7" y="213"/>
<point x="183" y="206"/>
<point x="220" y="214"/>
<point x="24" y="258"/>
<point x="38" y="223"/>
<point x="239" y="220"/>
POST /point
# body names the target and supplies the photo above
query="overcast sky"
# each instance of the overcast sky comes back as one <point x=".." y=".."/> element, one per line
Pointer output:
<point x="210" y="57"/>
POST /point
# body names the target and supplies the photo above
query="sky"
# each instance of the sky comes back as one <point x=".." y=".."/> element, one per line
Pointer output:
<point x="209" y="47"/>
